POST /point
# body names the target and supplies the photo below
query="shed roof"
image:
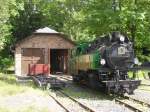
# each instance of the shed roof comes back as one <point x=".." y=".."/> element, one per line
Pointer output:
<point x="46" y="30"/>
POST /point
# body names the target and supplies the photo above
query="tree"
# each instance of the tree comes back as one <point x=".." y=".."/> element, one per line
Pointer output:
<point x="83" y="20"/>
<point x="28" y="19"/>
<point x="4" y="26"/>
<point x="131" y="18"/>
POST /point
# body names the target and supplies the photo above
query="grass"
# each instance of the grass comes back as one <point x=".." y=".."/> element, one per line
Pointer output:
<point x="139" y="74"/>
<point x="143" y="76"/>
<point x="9" y="88"/>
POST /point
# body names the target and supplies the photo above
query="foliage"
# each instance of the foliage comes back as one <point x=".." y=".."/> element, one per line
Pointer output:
<point x="5" y="64"/>
<point x="5" y="34"/>
<point x="82" y="20"/>
<point x="26" y="21"/>
<point x="131" y="17"/>
<point x="4" y="26"/>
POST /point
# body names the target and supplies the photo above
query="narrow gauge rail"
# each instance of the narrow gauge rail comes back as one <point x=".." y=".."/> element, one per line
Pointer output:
<point x="66" y="78"/>
<point x="82" y="105"/>
<point x="126" y="104"/>
<point x="47" y="82"/>
<point x="145" y="90"/>
<point x="57" y="101"/>
<point x="145" y="85"/>
<point x="121" y="102"/>
<point x="72" y="99"/>
<point x="140" y="106"/>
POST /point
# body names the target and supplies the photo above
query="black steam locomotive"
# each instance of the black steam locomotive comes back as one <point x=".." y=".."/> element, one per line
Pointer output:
<point x="104" y="63"/>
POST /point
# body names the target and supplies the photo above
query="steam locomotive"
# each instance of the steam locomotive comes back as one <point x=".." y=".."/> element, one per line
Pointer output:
<point x="104" y="64"/>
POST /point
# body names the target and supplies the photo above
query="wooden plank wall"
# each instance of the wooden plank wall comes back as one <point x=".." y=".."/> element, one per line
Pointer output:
<point x="45" y="41"/>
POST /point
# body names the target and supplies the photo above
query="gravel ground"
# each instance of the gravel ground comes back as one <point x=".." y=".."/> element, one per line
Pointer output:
<point x="31" y="98"/>
<point x="104" y="106"/>
<point x="69" y="104"/>
<point x="97" y="102"/>
<point x="139" y="106"/>
<point x="141" y="95"/>
<point x="92" y="98"/>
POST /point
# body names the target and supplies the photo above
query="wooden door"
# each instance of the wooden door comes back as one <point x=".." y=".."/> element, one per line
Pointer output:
<point x="31" y="56"/>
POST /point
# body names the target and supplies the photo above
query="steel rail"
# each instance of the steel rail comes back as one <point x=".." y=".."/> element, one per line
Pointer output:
<point x="37" y="81"/>
<point x="82" y="105"/>
<point x="144" y="90"/>
<point x="61" y="105"/>
<point x="137" y="100"/>
<point x="66" y="78"/>
<point x="128" y="106"/>
<point x="145" y="85"/>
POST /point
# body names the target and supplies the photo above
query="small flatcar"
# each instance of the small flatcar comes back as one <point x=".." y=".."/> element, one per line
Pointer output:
<point x="104" y="63"/>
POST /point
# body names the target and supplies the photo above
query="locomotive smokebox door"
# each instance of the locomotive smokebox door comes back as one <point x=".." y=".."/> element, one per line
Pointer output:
<point x="121" y="50"/>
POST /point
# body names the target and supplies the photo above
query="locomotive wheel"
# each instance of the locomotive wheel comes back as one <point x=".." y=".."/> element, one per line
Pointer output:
<point x="92" y="81"/>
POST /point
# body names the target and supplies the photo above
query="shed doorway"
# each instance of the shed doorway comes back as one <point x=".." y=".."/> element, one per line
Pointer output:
<point x="58" y="61"/>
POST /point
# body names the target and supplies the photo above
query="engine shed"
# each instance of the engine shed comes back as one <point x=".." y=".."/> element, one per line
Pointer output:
<point x="46" y="51"/>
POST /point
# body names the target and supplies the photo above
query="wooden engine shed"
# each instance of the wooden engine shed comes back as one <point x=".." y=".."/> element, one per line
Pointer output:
<point x="44" y="52"/>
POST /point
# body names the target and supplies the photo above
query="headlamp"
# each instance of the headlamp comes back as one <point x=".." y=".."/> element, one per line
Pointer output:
<point x="136" y="61"/>
<point x="122" y="38"/>
<point x="103" y="62"/>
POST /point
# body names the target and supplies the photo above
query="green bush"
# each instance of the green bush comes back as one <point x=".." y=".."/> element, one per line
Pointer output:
<point x="5" y="63"/>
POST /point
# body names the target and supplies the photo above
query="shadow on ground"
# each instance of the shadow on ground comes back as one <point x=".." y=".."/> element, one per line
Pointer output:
<point x="83" y="92"/>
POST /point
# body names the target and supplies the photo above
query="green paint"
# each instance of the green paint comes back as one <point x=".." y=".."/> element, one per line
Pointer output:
<point x="95" y="60"/>
<point x="81" y="48"/>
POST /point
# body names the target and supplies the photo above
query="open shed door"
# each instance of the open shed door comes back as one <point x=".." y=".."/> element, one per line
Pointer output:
<point x="59" y="60"/>
<point x="31" y="56"/>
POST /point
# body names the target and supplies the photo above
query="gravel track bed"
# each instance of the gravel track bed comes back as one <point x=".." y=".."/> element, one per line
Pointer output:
<point x="137" y="105"/>
<point x="141" y="95"/>
<point x="68" y="103"/>
<point x="100" y="102"/>
<point x="104" y="106"/>
<point x="94" y="100"/>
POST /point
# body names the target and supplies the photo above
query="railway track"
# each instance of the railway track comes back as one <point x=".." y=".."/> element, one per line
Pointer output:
<point x="128" y="102"/>
<point x="77" y="106"/>
<point x="145" y="85"/>
<point x="59" y="103"/>
<point x="145" y="90"/>
<point x="133" y="104"/>
<point x="66" y="78"/>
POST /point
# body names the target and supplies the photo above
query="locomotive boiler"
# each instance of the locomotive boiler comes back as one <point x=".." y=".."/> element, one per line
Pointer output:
<point x="104" y="64"/>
